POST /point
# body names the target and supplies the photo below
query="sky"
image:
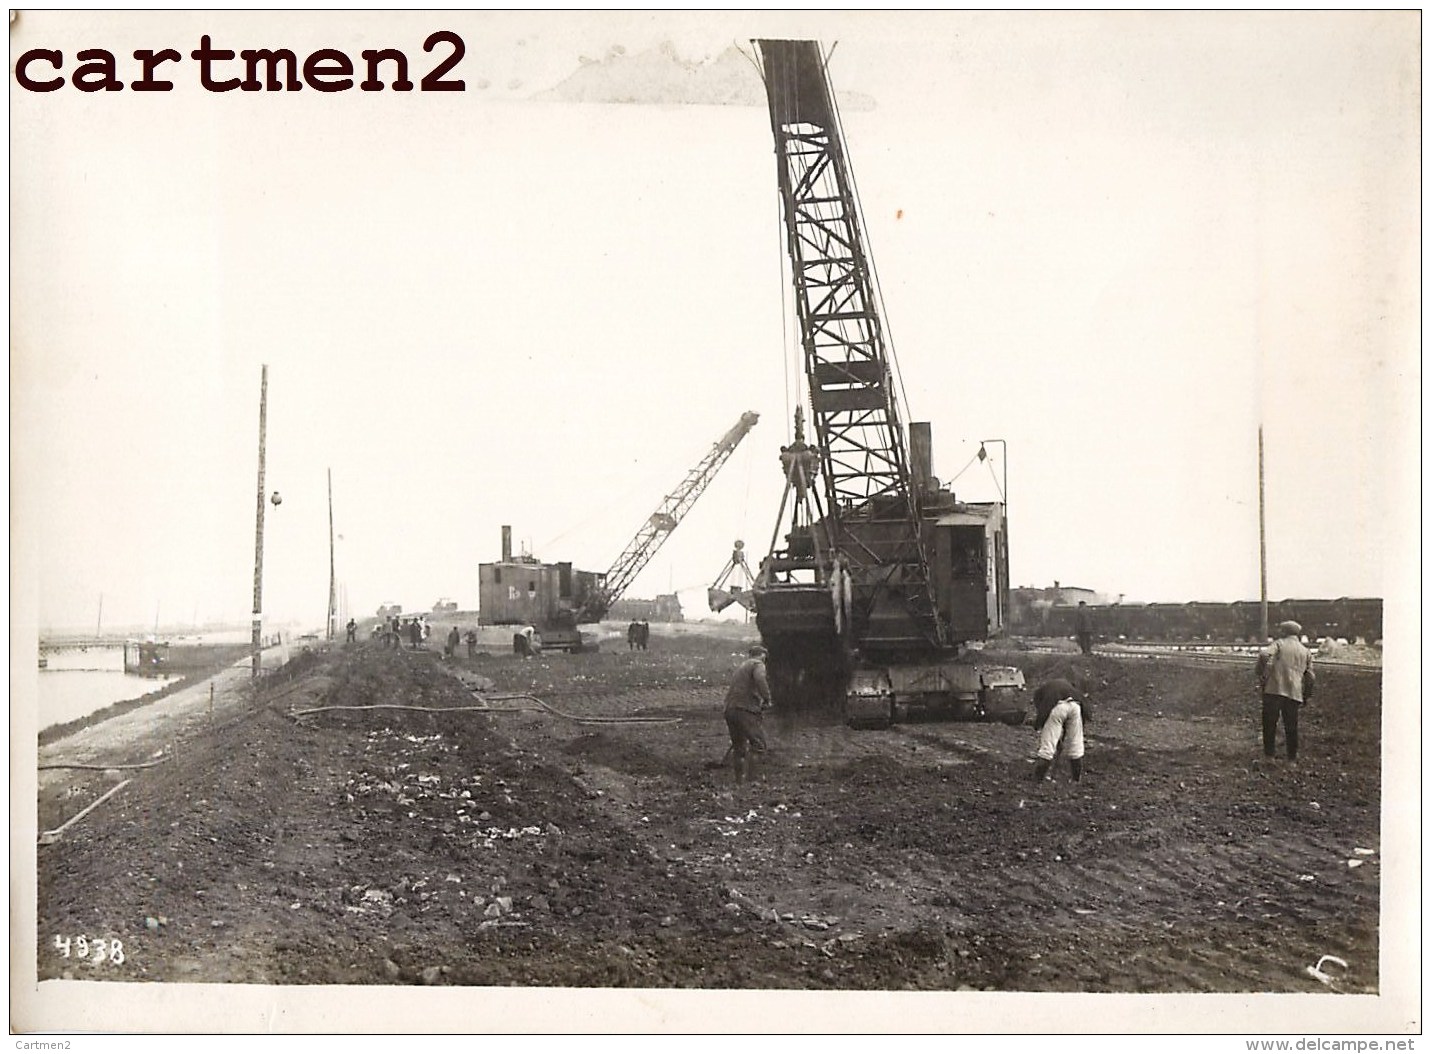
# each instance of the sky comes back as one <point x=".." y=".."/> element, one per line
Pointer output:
<point x="1115" y="243"/>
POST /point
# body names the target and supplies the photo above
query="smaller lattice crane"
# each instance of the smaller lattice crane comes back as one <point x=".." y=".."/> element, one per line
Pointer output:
<point x="662" y="522"/>
<point x="733" y="584"/>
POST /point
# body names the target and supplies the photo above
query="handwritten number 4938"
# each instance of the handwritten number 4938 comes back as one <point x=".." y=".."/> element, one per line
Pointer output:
<point x="94" y="951"/>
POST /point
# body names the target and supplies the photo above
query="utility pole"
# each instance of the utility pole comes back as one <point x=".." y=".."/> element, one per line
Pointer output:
<point x="1262" y="528"/>
<point x="332" y="566"/>
<point x="257" y="643"/>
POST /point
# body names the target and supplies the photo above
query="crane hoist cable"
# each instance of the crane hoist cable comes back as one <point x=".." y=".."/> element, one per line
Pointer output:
<point x="967" y="464"/>
<point x="859" y="219"/>
<point x="997" y="489"/>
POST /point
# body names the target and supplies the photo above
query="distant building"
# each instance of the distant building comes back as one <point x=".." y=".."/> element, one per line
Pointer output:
<point x="665" y="608"/>
<point x="1029" y="606"/>
<point x="1072" y="596"/>
<point x="1059" y="595"/>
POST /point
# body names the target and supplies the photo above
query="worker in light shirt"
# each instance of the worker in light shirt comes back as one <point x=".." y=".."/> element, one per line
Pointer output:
<point x="1284" y="670"/>
<point x="1060" y="710"/>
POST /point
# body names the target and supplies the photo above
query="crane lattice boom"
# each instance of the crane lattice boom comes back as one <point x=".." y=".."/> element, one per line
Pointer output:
<point x="663" y="521"/>
<point x="872" y="505"/>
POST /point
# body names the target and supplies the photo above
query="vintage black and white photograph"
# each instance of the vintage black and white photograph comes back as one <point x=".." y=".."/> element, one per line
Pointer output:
<point x="585" y="521"/>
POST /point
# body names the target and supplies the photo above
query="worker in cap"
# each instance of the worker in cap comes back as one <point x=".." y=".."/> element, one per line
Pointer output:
<point x="746" y="701"/>
<point x="1284" y="672"/>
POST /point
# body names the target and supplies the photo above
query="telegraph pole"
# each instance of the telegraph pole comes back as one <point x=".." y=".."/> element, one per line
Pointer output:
<point x="1262" y="528"/>
<point x="332" y="566"/>
<point x="257" y="642"/>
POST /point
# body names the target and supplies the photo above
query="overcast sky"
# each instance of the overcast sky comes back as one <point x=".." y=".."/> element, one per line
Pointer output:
<point x="1117" y="242"/>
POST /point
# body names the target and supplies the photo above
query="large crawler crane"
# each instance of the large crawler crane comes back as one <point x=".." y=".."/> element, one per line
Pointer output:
<point x="883" y="574"/>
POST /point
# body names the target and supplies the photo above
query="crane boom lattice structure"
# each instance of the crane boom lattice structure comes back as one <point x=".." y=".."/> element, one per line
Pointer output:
<point x="659" y="525"/>
<point x="873" y="505"/>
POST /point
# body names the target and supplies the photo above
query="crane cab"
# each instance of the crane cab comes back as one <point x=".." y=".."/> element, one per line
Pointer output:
<point x="970" y="569"/>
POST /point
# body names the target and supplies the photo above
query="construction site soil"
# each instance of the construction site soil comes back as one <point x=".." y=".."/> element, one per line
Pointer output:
<point x="586" y="834"/>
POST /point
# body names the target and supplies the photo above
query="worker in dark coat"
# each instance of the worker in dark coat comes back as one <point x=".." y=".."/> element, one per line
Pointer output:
<point x="1083" y="627"/>
<point x="746" y="701"/>
<point x="1060" y="711"/>
<point x="454" y="637"/>
<point x="1284" y="670"/>
<point x="352" y="631"/>
<point x="644" y="637"/>
<point x="633" y="635"/>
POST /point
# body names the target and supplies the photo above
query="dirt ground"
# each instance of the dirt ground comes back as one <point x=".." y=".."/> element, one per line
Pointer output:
<point x="561" y="844"/>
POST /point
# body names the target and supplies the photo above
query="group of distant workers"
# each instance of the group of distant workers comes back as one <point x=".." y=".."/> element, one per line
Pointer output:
<point x="1284" y="675"/>
<point x="394" y="628"/>
<point x="638" y="635"/>
<point x="454" y="638"/>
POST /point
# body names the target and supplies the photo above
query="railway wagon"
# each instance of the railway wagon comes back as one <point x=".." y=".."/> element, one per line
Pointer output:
<point x="1056" y="621"/>
<point x="1165" y="622"/>
<point x="1347" y="618"/>
<point x="1245" y="620"/>
<point x="1363" y="618"/>
<point x="1316" y="617"/>
<point x="1210" y="621"/>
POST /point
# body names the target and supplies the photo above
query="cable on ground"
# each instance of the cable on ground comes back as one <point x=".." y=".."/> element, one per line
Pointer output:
<point x="97" y="768"/>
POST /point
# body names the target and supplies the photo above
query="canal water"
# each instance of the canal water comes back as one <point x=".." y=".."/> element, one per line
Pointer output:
<point x="79" y="682"/>
<point x="76" y="682"/>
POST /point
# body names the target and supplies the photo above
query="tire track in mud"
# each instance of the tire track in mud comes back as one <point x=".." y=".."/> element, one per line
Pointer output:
<point x="1200" y="833"/>
<point x="1159" y="896"/>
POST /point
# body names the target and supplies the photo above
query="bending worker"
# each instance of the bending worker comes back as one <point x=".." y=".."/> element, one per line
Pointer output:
<point x="746" y="701"/>
<point x="1059" y="712"/>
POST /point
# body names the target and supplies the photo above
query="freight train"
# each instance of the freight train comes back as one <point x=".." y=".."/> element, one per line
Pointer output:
<point x="1346" y="618"/>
